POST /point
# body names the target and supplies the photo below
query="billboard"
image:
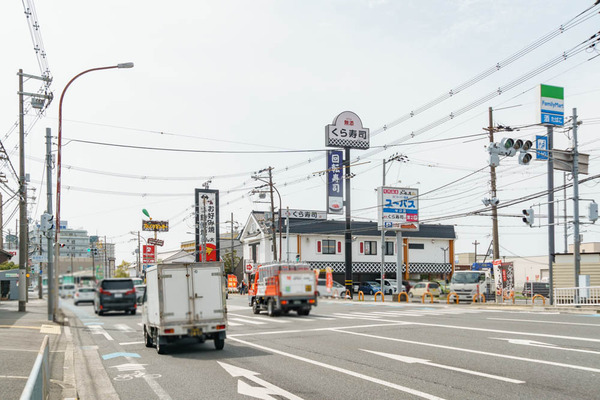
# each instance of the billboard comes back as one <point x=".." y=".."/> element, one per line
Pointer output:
<point x="207" y="220"/>
<point x="398" y="209"/>
<point x="347" y="131"/>
<point x="335" y="182"/>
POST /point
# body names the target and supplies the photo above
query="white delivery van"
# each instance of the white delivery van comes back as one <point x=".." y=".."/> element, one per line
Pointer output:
<point x="184" y="300"/>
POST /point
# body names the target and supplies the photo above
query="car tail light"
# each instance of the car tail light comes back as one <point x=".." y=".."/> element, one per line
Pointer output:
<point x="132" y="291"/>
<point x="283" y="301"/>
<point x="221" y="327"/>
<point x="101" y="307"/>
<point x="311" y="301"/>
<point x="170" y="330"/>
<point x="102" y="291"/>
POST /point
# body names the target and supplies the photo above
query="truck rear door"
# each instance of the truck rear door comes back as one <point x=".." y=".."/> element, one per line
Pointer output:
<point x="208" y="291"/>
<point x="299" y="283"/>
<point x="175" y="298"/>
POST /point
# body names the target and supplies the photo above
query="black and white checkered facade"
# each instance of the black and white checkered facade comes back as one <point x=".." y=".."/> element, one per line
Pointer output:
<point x="353" y="144"/>
<point x="375" y="267"/>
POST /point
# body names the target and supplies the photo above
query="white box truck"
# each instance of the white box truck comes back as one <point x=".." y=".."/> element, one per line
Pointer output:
<point x="184" y="300"/>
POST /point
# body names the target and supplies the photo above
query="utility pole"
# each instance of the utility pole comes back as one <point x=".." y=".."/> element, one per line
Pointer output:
<point x="23" y="244"/>
<point x="232" y="263"/>
<point x="139" y="265"/>
<point x="475" y="243"/>
<point x="550" y="174"/>
<point x="49" y="236"/>
<point x="273" y="215"/>
<point x="566" y="228"/>
<point x="494" y="196"/>
<point x="577" y="240"/>
<point x="287" y="234"/>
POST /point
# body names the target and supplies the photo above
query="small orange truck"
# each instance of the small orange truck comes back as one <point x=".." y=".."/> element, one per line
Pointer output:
<point x="281" y="288"/>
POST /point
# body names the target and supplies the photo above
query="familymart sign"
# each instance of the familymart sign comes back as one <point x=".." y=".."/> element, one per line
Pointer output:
<point x="552" y="105"/>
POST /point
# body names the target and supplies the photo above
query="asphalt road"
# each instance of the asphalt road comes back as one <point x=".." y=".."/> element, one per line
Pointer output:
<point x="347" y="350"/>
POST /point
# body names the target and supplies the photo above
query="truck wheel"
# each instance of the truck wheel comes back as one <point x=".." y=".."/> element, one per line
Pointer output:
<point x="147" y="338"/>
<point x="255" y="307"/>
<point x="271" y="308"/>
<point x="160" y="349"/>
<point x="219" y="344"/>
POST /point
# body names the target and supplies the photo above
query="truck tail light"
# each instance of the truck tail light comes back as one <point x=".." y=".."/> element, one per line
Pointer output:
<point x="283" y="301"/>
<point x="220" y="327"/>
<point x="171" y="330"/>
<point x="311" y="301"/>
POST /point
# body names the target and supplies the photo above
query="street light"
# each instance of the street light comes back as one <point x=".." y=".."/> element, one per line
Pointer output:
<point x="59" y="156"/>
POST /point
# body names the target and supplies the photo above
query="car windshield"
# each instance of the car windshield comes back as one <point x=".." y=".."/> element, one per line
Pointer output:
<point x="466" y="277"/>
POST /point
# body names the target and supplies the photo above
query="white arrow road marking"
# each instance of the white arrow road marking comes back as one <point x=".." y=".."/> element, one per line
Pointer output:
<point x="260" y="392"/>
<point x="411" y="360"/>
<point x="99" y="330"/>
<point x="485" y="353"/>
<point x="342" y="370"/>
<point x="129" y="367"/>
<point x="525" y="342"/>
<point x="124" y="328"/>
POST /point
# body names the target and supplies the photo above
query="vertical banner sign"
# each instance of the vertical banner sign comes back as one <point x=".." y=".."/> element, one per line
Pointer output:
<point x="328" y="279"/>
<point x="541" y="144"/>
<point x="335" y="182"/>
<point x="552" y="105"/>
<point x="398" y="208"/>
<point x="207" y="216"/>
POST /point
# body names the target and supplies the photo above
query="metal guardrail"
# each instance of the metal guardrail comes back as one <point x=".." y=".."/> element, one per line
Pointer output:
<point x="577" y="296"/>
<point x="38" y="383"/>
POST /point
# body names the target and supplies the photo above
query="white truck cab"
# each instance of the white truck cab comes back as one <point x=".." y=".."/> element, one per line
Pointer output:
<point x="467" y="284"/>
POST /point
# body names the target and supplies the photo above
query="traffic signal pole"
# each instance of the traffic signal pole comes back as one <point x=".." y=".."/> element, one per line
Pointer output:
<point x="551" y="249"/>
<point x="49" y="236"/>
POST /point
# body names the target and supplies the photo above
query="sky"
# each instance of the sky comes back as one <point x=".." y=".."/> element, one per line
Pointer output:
<point x="248" y="85"/>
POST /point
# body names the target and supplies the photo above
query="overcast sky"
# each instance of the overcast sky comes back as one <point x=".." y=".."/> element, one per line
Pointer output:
<point x="237" y="76"/>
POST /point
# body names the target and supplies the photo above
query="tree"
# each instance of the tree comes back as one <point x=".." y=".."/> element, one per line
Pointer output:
<point x="230" y="266"/>
<point x="8" y="265"/>
<point x="122" y="270"/>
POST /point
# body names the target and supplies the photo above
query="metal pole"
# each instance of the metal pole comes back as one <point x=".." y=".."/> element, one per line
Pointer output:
<point x="23" y="245"/>
<point x="273" y="216"/>
<point x="577" y="240"/>
<point x="49" y="236"/>
<point x="204" y="197"/>
<point x="383" y="234"/>
<point x="139" y="249"/>
<point x="550" y="209"/>
<point x="494" y="196"/>
<point x="566" y="227"/>
<point x="399" y="257"/>
<point x="287" y="235"/>
<point x="232" y="268"/>
<point x="348" y="232"/>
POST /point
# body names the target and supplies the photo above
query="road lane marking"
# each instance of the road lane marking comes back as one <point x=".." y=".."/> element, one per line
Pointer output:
<point x="485" y="353"/>
<point x="231" y="323"/>
<point x="468" y="328"/>
<point x="125" y="328"/>
<point x="264" y="391"/>
<point x="412" y="360"/>
<point x="128" y="343"/>
<point x="270" y="319"/>
<point x="397" y="323"/>
<point x="342" y="370"/>
<point x="98" y="330"/>
<point x="525" y="342"/>
<point x="247" y="321"/>
<point x="544" y="322"/>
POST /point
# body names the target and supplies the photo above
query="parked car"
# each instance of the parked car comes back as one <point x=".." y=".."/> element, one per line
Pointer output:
<point x="140" y="290"/>
<point x="84" y="294"/>
<point x="369" y="287"/>
<point x="542" y="288"/>
<point x="66" y="290"/>
<point x="115" y="294"/>
<point x="390" y="286"/>
<point x="336" y="290"/>
<point x="423" y="287"/>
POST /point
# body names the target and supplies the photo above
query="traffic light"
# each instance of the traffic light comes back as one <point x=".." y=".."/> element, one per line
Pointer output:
<point x="524" y="156"/>
<point x="528" y="216"/>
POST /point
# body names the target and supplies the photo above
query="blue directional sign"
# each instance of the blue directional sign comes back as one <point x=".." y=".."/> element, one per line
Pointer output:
<point x="541" y="144"/>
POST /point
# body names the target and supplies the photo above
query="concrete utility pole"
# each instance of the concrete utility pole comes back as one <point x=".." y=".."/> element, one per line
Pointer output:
<point x="49" y="236"/>
<point x="23" y="243"/>
<point x="232" y="263"/>
<point x="576" y="238"/>
<point x="494" y="195"/>
<point x="273" y="215"/>
<point x="476" y="243"/>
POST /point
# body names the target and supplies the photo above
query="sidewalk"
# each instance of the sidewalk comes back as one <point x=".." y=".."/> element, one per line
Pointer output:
<point x="21" y="336"/>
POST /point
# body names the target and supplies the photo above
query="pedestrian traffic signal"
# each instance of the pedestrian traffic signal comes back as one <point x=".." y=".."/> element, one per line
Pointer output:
<point x="593" y="212"/>
<point x="47" y="222"/>
<point x="528" y="216"/>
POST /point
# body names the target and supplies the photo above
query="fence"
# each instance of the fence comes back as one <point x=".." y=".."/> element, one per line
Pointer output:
<point x="577" y="296"/>
<point x="37" y="386"/>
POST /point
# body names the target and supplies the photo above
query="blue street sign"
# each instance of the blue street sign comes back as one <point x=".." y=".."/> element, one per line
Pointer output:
<point x="541" y="144"/>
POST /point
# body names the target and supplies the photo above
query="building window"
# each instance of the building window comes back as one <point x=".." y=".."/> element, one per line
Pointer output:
<point x="371" y="248"/>
<point x="416" y="246"/>
<point x="328" y="246"/>
<point x="389" y="248"/>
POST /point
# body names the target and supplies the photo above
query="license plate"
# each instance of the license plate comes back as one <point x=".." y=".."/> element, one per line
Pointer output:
<point x="118" y="295"/>
<point x="195" y="332"/>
